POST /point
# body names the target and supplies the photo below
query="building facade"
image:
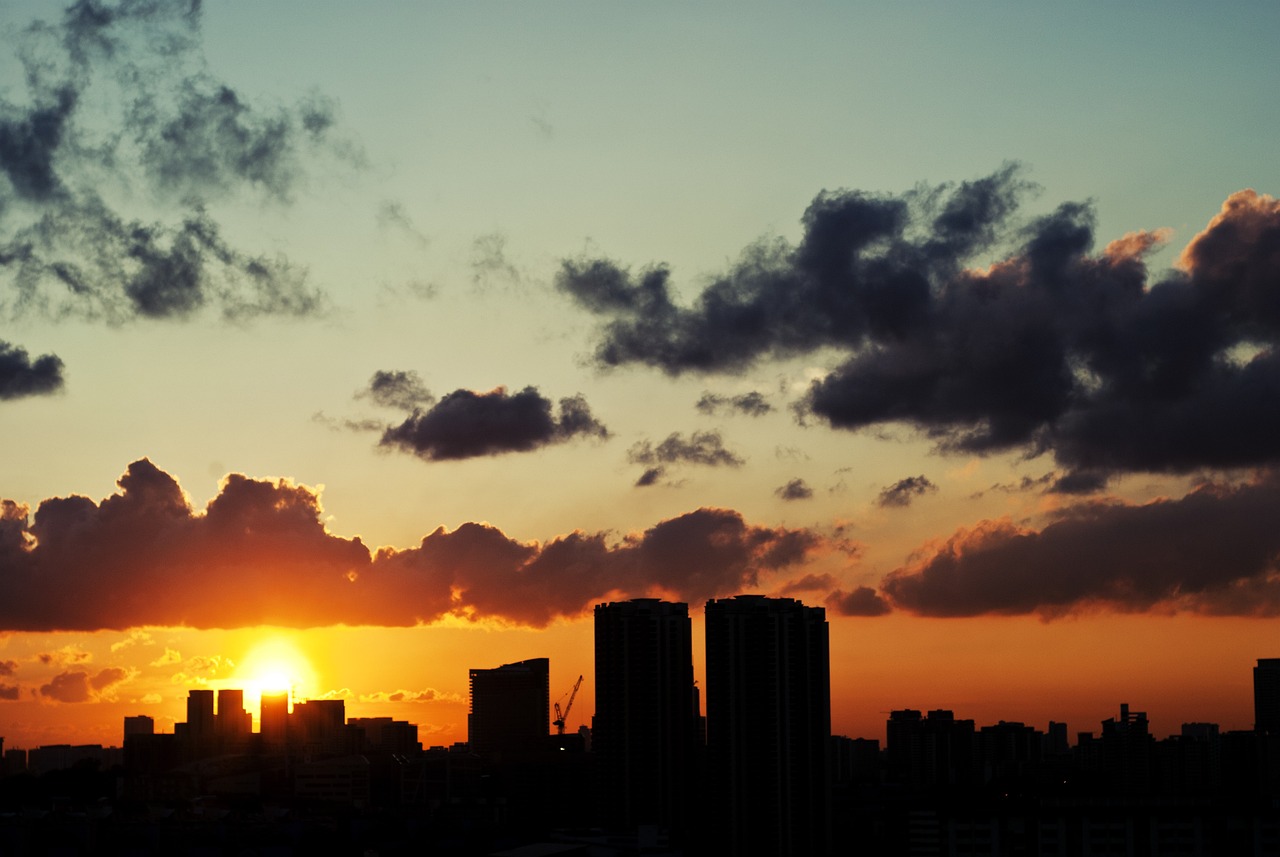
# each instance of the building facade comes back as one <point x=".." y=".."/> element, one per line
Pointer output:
<point x="510" y="709"/>
<point x="644" y="736"/>
<point x="768" y="725"/>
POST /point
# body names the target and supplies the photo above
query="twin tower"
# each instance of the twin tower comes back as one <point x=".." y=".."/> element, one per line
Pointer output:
<point x="756" y="781"/>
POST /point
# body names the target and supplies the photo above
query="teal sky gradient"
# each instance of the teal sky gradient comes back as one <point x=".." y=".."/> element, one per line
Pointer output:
<point x="479" y="144"/>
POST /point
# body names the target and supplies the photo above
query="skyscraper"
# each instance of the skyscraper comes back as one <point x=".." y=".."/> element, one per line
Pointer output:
<point x="273" y="718"/>
<point x="232" y="720"/>
<point x="768" y="725"/>
<point x="1266" y="696"/>
<point x="200" y="715"/>
<point x="645" y="731"/>
<point x="510" y="708"/>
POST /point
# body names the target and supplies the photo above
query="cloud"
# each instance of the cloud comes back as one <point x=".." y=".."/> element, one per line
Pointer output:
<point x="65" y="656"/>
<point x="702" y="447"/>
<point x="9" y="692"/>
<point x="399" y="389"/>
<point x="796" y="489"/>
<point x="1053" y="348"/>
<point x="465" y="424"/>
<point x="393" y="216"/>
<point x="1026" y="483"/>
<point x="20" y="377"/>
<point x="79" y="686"/>
<point x="862" y="601"/>
<point x="428" y="695"/>
<point x="1215" y="551"/>
<point x="170" y="657"/>
<point x="137" y="637"/>
<point x="808" y="583"/>
<point x="489" y="262"/>
<point x="8" y="667"/>
<point x="752" y="404"/>
<point x="115" y="144"/>
<point x="259" y="553"/>
<point x="650" y="477"/>
<point x="902" y="492"/>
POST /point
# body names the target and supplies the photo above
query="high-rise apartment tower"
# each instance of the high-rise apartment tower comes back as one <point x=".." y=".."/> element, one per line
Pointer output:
<point x="644" y="735"/>
<point x="768" y="725"/>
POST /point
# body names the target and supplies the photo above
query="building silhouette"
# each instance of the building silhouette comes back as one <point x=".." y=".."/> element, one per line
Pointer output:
<point x="232" y="721"/>
<point x="200" y="722"/>
<point x="273" y="718"/>
<point x="645" y="732"/>
<point x="510" y="708"/>
<point x="1266" y="696"/>
<point x="768" y="725"/>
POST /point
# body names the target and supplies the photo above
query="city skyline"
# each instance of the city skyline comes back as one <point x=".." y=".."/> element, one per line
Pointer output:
<point x="349" y="352"/>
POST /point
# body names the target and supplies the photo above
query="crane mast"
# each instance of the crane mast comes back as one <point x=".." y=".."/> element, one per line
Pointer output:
<point x="561" y="715"/>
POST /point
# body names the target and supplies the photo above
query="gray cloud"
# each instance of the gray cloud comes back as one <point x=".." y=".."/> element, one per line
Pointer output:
<point x="117" y="96"/>
<point x="902" y="492"/>
<point x="466" y="424"/>
<point x="753" y="404"/>
<point x="702" y="447"/>
<point x="1055" y="348"/>
<point x="796" y="489"/>
<point x="403" y="390"/>
<point x="21" y="376"/>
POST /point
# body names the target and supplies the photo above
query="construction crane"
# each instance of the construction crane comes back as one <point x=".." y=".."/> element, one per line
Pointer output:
<point x="561" y="715"/>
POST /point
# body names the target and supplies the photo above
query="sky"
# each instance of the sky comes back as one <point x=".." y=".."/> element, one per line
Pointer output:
<point x="353" y="350"/>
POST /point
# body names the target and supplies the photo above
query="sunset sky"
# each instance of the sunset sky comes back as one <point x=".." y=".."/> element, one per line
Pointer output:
<point x="355" y="348"/>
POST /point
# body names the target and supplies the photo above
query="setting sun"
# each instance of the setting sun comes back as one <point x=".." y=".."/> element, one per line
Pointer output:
<point x="273" y="664"/>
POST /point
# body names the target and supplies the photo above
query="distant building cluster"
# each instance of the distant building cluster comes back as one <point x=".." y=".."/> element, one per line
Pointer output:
<point x="759" y="774"/>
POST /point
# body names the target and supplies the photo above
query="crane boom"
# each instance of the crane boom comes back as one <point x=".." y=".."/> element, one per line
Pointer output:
<point x="562" y="715"/>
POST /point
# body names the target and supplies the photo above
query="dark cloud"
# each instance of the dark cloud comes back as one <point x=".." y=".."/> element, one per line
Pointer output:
<point x="259" y="553"/>
<point x="1216" y="550"/>
<point x="1079" y="482"/>
<point x="752" y="404"/>
<point x="808" y="583"/>
<point x="20" y="376"/>
<point x="8" y="667"/>
<point x="902" y="492"/>
<point x="117" y="103"/>
<point x="1026" y="483"/>
<point x="9" y="693"/>
<point x="863" y="601"/>
<point x="79" y="686"/>
<point x="1054" y="348"/>
<point x="796" y="489"/>
<point x="398" y="389"/>
<point x="702" y="447"/>
<point x="465" y="424"/>
<point x="650" y="477"/>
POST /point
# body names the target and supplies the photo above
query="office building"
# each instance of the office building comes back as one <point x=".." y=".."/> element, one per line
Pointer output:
<point x="233" y="721"/>
<point x="510" y="708"/>
<point x="200" y="722"/>
<point x="645" y="731"/>
<point x="318" y="726"/>
<point x="768" y="725"/>
<point x="140" y="724"/>
<point x="1266" y="696"/>
<point x="273" y="718"/>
